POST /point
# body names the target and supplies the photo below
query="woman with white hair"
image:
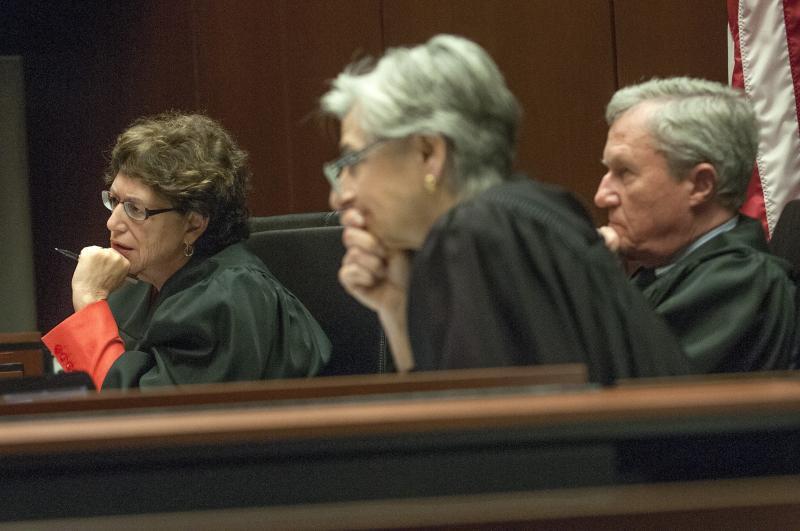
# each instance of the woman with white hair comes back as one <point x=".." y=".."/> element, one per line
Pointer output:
<point x="466" y="264"/>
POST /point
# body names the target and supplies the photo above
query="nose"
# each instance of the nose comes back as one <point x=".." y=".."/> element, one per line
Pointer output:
<point x="333" y="200"/>
<point x="342" y="197"/>
<point x="606" y="196"/>
<point x="117" y="218"/>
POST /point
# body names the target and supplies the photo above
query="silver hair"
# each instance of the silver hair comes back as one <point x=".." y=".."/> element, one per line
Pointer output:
<point x="695" y="121"/>
<point x="448" y="86"/>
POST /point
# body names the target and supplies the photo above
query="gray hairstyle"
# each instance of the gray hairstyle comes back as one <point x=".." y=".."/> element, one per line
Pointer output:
<point x="448" y="86"/>
<point x="697" y="121"/>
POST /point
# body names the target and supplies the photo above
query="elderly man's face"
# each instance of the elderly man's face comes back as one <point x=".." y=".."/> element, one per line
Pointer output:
<point x="648" y="208"/>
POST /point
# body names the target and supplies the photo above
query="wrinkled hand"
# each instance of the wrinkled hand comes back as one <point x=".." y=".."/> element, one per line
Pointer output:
<point x="377" y="277"/>
<point x="610" y="237"/>
<point x="100" y="271"/>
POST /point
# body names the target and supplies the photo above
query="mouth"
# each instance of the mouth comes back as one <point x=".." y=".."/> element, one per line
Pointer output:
<point x="121" y="249"/>
<point x="613" y="223"/>
<point x="353" y="217"/>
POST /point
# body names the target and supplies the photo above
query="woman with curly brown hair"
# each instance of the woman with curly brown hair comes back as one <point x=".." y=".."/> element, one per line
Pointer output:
<point x="204" y="308"/>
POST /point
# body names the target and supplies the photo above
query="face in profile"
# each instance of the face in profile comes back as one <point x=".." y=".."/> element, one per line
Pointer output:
<point x="154" y="246"/>
<point x="385" y="186"/>
<point x="647" y="207"/>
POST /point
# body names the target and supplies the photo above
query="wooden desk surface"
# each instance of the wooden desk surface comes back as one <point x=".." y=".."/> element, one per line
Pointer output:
<point x="295" y="389"/>
<point x="21" y="353"/>
<point x="428" y="445"/>
<point x="14" y="338"/>
<point x="746" y="403"/>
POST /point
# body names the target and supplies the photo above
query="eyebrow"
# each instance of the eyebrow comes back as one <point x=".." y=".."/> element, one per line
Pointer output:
<point x="130" y="198"/>
<point x="614" y="158"/>
<point x="346" y="147"/>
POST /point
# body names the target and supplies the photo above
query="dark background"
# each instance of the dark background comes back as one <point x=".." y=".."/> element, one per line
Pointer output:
<point x="259" y="67"/>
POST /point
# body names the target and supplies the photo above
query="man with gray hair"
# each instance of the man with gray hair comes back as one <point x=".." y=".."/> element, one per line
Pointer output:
<point x="679" y="156"/>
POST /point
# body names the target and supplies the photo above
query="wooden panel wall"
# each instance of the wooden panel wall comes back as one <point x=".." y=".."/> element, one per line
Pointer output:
<point x="670" y="38"/>
<point x="259" y="67"/>
<point x="557" y="58"/>
<point x="91" y="68"/>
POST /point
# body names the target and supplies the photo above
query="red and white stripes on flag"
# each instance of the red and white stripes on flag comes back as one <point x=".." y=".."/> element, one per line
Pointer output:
<point x="766" y="42"/>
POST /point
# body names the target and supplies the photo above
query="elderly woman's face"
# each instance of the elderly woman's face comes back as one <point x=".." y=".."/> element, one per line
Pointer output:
<point x="387" y="187"/>
<point x="153" y="246"/>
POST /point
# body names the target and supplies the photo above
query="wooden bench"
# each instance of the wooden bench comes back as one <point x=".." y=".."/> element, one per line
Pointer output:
<point x="20" y="355"/>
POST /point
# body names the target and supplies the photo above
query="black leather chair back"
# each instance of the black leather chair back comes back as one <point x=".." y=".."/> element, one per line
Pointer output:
<point x="294" y="221"/>
<point x="307" y="261"/>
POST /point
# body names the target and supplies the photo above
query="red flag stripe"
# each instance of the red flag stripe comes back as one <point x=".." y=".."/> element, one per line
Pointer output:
<point x="737" y="80"/>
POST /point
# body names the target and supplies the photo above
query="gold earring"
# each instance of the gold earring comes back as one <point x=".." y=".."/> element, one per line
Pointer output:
<point x="188" y="249"/>
<point x="430" y="183"/>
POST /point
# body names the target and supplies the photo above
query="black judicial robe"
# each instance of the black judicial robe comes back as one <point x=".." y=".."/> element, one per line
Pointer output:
<point x="730" y="303"/>
<point x="518" y="275"/>
<point x="219" y="318"/>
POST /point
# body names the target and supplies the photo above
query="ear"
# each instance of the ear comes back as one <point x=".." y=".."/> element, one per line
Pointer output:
<point x="434" y="150"/>
<point x="196" y="225"/>
<point x="702" y="180"/>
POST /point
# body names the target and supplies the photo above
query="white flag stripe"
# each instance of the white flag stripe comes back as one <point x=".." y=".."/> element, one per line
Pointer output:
<point x="731" y="59"/>
<point x="768" y="82"/>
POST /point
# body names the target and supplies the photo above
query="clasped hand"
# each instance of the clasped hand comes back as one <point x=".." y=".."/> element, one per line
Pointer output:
<point x="610" y="237"/>
<point x="376" y="276"/>
<point x="99" y="272"/>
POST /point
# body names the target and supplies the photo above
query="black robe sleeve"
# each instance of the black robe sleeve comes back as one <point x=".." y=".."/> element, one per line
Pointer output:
<point x="731" y="304"/>
<point x="519" y="276"/>
<point x="236" y="323"/>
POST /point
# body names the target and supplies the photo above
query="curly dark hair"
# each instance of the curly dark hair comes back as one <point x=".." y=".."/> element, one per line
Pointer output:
<point x="194" y="162"/>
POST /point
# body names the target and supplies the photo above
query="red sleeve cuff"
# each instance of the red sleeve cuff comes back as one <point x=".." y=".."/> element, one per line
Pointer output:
<point x="87" y="341"/>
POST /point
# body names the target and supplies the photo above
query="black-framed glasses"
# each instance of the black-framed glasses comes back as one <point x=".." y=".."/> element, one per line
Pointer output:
<point x="333" y="170"/>
<point x="134" y="211"/>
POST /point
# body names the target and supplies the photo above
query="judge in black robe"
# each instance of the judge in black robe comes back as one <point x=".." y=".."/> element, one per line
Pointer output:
<point x="503" y="273"/>
<point x="680" y="155"/>
<point x="204" y="308"/>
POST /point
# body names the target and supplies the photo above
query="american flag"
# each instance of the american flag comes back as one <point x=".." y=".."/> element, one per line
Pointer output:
<point x="765" y="62"/>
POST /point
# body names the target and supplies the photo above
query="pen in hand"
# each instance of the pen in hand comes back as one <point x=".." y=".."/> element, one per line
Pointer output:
<point x="74" y="256"/>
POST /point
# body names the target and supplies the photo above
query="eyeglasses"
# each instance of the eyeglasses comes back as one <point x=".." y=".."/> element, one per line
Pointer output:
<point x="134" y="211"/>
<point x="333" y="170"/>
